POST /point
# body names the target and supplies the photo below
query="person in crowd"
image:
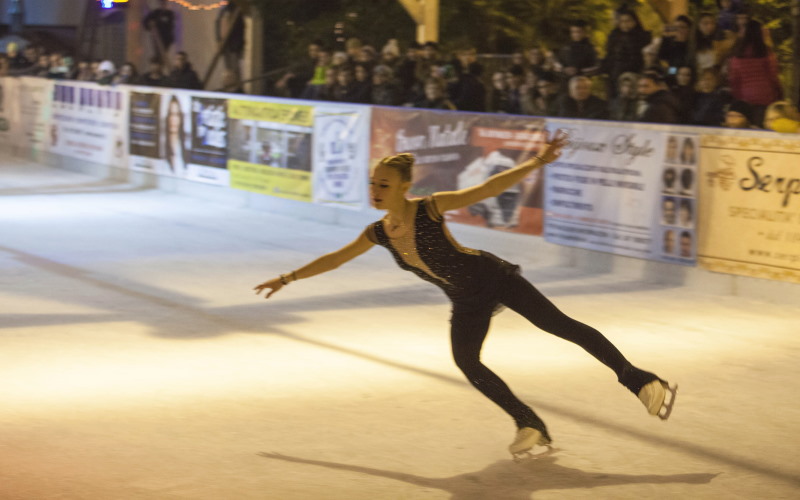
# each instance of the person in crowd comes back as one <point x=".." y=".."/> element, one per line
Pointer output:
<point x="327" y="92"/>
<point x="625" y="105"/>
<point x="317" y="81"/>
<point x="624" y="48"/>
<point x="498" y="96"/>
<point x="469" y="93"/>
<point x="60" y="66"/>
<point x="390" y="55"/>
<point x="578" y="57"/>
<point x="352" y="46"/>
<point x="231" y="82"/>
<point x="540" y="61"/>
<point x="16" y="59"/>
<point x="160" y="22"/>
<point x="711" y="100"/>
<point x="182" y="75"/>
<point x="711" y="45"/>
<point x="127" y="74"/>
<point x="407" y="70"/>
<point x="781" y="116"/>
<point x="385" y="91"/>
<point x="753" y="71"/>
<point x="435" y="97"/>
<point x="83" y="72"/>
<point x="154" y="77"/>
<point x="515" y="78"/>
<point x="546" y="99"/>
<point x="683" y="88"/>
<point x="367" y="57"/>
<point x="726" y="17"/>
<point x="105" y="72"/>
<point x="362" y="73"/>
<point x="739" y="114"/>
<point x="346" y="89"/>
<point x="659" y="105"/>
<point x="580" y="102"/>
<point x="429" y="56"/>
<point x="675" y="49"/>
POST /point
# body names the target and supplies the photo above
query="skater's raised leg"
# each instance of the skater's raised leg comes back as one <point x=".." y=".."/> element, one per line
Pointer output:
<point x="522" y="297"/>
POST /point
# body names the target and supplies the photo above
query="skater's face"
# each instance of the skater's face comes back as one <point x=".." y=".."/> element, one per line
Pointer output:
<point x="386" y="187"/>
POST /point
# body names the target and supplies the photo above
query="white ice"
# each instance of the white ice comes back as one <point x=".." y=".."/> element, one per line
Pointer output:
<point x="137" y="363"/>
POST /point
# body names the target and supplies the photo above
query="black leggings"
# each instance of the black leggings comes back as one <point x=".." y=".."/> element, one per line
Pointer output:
<point x="470" y="326"/>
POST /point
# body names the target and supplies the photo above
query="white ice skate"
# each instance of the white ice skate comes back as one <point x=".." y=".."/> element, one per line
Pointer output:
<point x="654" y="397"/>
<point x="528" y="437"/>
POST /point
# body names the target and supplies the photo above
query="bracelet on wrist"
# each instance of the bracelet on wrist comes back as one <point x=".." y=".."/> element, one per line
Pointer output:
<point x="284" y="280"/>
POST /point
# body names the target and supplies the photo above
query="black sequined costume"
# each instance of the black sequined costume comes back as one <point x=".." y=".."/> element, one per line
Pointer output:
<point x="478" y="283"/>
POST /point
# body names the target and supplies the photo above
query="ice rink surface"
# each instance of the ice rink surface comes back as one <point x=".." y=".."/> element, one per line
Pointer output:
<point x="136" y="363"/>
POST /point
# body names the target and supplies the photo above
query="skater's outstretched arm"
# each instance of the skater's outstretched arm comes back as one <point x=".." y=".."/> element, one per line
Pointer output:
<point x="496" y="184"/>
<point x="326" y="263"/>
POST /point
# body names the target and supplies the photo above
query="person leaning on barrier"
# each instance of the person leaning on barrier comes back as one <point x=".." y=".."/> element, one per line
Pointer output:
<point x="660" y="105"/>
<point x="581" y="103"/>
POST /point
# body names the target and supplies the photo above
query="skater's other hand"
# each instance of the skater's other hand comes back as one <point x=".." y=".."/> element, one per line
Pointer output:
<point x="274" y="285"/>
<point x="552" y="151"/>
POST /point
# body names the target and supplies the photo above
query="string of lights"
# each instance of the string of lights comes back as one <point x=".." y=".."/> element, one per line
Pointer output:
<point x="191" y="6"/>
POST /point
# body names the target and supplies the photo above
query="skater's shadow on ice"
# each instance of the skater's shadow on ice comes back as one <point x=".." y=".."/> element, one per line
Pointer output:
<point x="508" y="480"/>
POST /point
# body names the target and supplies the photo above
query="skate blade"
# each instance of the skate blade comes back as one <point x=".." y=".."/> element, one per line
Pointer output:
<point x="666" y="407"/>
<point x="528" y="455"/>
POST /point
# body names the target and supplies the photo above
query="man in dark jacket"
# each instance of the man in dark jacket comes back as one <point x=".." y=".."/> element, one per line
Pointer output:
<point x="182" y="75"/>
<point x="661" y="105"/>
<point x="579" y="56"/>
<point x="580" y="103"/>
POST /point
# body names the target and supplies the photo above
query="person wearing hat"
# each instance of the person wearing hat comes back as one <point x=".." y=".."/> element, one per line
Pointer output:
<point x="782" y="117"/>
<point x="739" y="115"/>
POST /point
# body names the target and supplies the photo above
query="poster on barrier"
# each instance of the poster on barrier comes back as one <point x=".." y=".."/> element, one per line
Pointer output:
<point x="458" y="150"/>
<point x="750" y="206"/>
<point x="35" y="98"/>
<point x="341" y="155"/>
<point x="628" y="191"/>
<point x="208" y="156"/>
<point x="269" y="151"/>
<point x="160" y="131"/>
<point x="89" y="123"/>
<point x="9" y="111"/>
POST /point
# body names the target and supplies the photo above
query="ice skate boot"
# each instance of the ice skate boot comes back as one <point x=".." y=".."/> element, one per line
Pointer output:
<point x="654" y="397"/>
<point x="524" y="442"/>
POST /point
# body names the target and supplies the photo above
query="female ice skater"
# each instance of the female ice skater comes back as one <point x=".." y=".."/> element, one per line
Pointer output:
<point x="477" y="283"/>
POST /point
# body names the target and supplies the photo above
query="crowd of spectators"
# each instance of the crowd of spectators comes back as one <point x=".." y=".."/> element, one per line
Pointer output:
<point x="717" y="70"/>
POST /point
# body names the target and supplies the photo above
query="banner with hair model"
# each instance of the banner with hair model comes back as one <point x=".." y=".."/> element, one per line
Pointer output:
<point x="628" y="191"/>
<point x="750" y="206"/>
<point x="459" y="150"/>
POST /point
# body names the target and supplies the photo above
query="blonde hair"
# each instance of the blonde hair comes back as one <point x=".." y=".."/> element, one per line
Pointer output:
<point x="402" y="162"/>
<point x="785" y="109"/>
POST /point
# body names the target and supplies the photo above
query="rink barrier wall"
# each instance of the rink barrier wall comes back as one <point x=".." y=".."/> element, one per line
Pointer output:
<point x="532" y="252"/>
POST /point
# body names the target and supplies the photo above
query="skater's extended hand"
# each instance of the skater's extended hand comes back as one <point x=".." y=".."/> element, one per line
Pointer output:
<point x="274" y="285"/>
<point x="552" y="151"/>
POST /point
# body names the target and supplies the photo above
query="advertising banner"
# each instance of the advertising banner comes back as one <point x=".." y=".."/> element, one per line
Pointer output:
<point x="628" y="191"/>
<point x="750" y="206"/>
<point x="459" y="150"/>
<point x="35" y="97"/>
<point x="208" y="157"/>
<point x="160" y="132"/>
<point x="341" y="155"/>
<point x="89" y="123"/>
<point x="269" y="150"/>
<point x="9" y="111"/>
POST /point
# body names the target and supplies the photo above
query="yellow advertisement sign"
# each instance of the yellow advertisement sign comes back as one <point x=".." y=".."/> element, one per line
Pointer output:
<point x="750" y="206"/>
<point x="275" y="112"/>
<point x="274" y="181"/>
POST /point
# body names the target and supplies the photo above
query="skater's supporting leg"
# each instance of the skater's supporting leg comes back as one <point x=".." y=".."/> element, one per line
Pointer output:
<point x="468" y="331"/>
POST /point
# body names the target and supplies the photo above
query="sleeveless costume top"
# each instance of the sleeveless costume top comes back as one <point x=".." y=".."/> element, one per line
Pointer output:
<point x="468" y="277"/>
